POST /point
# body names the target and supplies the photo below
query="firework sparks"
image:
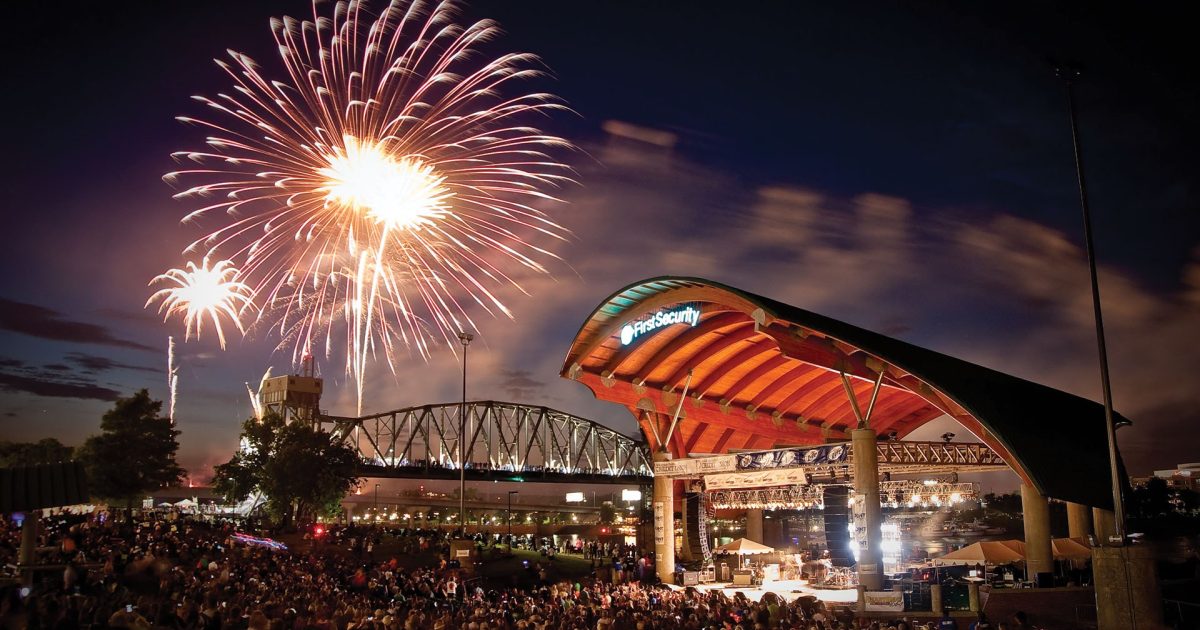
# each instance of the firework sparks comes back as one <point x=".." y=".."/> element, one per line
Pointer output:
<point x="201" y="291"/>
<point x="383" y="186"/>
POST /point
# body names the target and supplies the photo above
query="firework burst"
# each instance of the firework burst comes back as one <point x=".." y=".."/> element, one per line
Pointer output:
<point x="382" y="186"/>
<point x="200" y="291"/>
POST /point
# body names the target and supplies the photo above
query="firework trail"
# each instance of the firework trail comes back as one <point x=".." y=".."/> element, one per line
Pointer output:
<point x="381" y="185"/>
<point x="172" y="376"/>
<point x="255" y="396"/>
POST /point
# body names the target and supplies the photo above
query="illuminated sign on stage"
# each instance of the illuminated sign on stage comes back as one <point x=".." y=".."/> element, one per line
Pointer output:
<point x="689" y="314"/>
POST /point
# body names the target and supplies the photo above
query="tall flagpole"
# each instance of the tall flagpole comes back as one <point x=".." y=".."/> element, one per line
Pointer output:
<point x="1068" y="75"/>
<point x="465" y="338"/>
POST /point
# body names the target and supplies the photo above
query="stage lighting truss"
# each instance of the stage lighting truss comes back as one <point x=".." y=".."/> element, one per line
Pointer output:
<point x="911" y="493"/>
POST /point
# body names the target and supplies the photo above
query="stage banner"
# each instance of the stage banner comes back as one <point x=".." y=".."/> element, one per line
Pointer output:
<point x="660" y="528"/>
<point x="884" y="601"/>
<point x="690" y="466"/>
<point x="794" y="457"/>
<point x="858" y="520"/>
<point x="756" y="479"/>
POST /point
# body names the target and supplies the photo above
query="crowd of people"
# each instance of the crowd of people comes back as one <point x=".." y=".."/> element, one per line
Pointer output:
<point x="175" y="573"/>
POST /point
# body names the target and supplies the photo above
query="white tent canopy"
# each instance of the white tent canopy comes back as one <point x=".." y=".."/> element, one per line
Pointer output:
<point x="744" y="547"/>
<point x="981" y="553"/>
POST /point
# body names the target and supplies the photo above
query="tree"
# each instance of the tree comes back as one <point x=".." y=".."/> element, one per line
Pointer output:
<point x="135" y="451"/>
<point x="46" y="451"/>
<point x="608" y="513"/>
<point x="299" y="470"/>
<point x="1009" y="503"/>
<point x="1151" y="500"/>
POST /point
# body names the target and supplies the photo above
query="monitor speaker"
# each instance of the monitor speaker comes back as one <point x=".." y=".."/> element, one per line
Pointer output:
<point x="837" y="525"/>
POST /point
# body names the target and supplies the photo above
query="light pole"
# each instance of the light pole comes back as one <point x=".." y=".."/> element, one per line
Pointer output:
<point x="509" y="518"/>
<point x="465" y="338"/>
<point x="1068" y="75"/>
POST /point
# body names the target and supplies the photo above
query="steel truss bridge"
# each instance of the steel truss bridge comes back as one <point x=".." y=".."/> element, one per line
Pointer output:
<point x="504" y="442"/>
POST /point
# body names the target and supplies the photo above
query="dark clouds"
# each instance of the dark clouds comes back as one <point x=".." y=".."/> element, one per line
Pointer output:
<point x="52" y="383"/>
<point x="41" y="322"/>
<point x="59" y="380"/>
<point x="93" y="364"/>
<point x="519" y="385"/>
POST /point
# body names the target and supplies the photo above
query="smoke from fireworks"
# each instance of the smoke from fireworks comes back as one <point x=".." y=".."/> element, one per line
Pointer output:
<point x="382" y="186"/>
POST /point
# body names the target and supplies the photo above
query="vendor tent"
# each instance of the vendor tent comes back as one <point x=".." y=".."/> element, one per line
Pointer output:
<point x="1071" y="549"/>
<point x="1060" y="548"/>
<point x="981" y="553"/>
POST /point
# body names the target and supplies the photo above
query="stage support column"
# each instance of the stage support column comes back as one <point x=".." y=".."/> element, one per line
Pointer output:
<point x="1105" y="524"/>
<point x="754" y="525"/>
<point x="1038" y="555"/>
<point x="1079" y="523"/>
<point x="866" y="487"/>
<point x="27" y="554"/>
<point x="1127" y="589"/>
<point x="664" y="524"/>
<point x="935" y="598"/>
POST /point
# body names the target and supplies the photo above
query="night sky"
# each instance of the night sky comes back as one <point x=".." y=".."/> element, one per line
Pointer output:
<point x="904" y="167"/>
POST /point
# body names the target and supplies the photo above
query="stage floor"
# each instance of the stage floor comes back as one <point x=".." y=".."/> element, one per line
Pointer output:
<point x="787" y="589"/>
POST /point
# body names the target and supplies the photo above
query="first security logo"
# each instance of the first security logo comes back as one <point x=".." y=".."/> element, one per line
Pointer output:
<point x="680" y="315"/>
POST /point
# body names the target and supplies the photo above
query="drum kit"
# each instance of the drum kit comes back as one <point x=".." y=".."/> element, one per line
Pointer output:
<point x="822" y="574"/>
<point x="840" y="577"/>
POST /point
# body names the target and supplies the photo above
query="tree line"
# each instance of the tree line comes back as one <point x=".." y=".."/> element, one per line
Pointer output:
<point x="294" y="472"/>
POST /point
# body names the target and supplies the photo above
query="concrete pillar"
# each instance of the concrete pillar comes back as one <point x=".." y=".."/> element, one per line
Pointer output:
<point x="754" y="525"/>
<point x="664" y="524"/>
<point x="1106" y="525"/>
<point x="348" y="511"/>
<point x="973" y="596"/>
<point x="1039" y="557"/>
<point x="866" y="485"/>
<point x="27" y="554"/>
<point x="1127" y="591"/>
<point x="29" y="537"/>
<point x="1079" y="523"/>
<point x="935" y="598"/>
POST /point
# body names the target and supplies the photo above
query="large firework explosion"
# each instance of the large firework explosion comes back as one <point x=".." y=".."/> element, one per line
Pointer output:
<point x="381" y="187"/>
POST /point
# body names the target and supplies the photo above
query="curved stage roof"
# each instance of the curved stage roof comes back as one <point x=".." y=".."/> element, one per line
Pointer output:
<point x="768" y="375"/>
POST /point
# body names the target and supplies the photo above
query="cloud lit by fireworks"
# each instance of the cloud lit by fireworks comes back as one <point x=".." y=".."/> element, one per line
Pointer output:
<point x="201" y="291"/>
<point x="383" y="186"/>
